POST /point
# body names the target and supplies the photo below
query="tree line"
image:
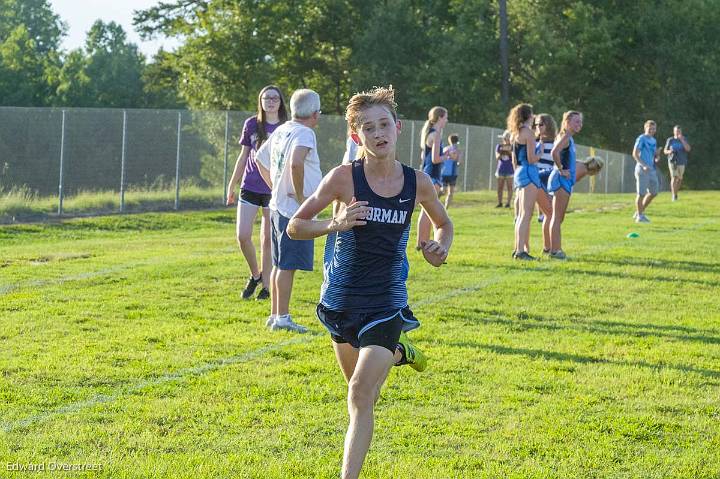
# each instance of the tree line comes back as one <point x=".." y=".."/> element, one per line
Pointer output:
<point x="618" y="62"/>
<point x="108" y="71"/>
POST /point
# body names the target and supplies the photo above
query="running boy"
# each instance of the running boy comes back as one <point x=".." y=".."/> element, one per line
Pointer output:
<point x="363" y="301"/>
<point x="646" y="179"/>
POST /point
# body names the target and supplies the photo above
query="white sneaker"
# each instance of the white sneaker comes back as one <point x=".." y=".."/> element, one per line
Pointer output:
<point x="270" y="321"/>
<point x="286" y="322"/>
<point x="635" y="215"/>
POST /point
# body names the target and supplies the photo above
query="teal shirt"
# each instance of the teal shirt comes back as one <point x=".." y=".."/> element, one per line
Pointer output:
<point x="647" y="145"/>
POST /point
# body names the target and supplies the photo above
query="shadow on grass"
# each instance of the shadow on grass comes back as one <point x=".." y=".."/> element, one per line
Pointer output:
<point x="578" y="358"/>
<point x="527" y="321"/>
<point x="690" y="266"/>
<point x="640" y="277"/>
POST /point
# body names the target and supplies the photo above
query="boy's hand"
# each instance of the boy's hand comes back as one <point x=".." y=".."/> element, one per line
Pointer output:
<point x="434" y="253"/>
<point x="350" y="216"/>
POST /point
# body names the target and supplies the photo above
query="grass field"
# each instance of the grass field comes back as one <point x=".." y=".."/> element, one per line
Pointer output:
<point x="123" y="343"/>
<point x="22" y="205"/>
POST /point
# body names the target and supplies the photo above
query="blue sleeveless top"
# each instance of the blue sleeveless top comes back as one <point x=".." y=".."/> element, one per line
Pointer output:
<point x="567" y="159"/>
<point x="433" y="170"/>
<point x="366" y="268"/>
<point x="525" y="173"/>
<point x="520" y="154"/>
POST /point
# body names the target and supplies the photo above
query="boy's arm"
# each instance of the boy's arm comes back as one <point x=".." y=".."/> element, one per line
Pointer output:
<point x="686" y="145"/>
<point x="302" y="226"/>
<point x="668" y="150"/>
<point x="636" y="155"/>
<point x="435" y="251"/>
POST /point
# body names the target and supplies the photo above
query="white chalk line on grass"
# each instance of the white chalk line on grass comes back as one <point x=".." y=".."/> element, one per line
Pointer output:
<point x="38" y="283"/>
<point x="179" y="375"/>
<point x="254" y="354"/>
<point x="183" y="374"/>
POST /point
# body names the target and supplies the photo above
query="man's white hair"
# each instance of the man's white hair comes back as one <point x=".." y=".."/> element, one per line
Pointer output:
<point x="304" y="103"/>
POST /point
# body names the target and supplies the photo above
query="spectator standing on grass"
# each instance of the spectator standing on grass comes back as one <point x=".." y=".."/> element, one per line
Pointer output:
<point x="545" y="132"/>
<point x="289" y="162"/>
<point x="254" y="192"/>
<point x="431" y="151"/>
<point x="676" y="149"/>
<point x="646" y="178"/>
<point x="504" y="171"/>
<point x="562" y="178"/>
<point x="527" y="179"/>
<point x="449" y="172"/>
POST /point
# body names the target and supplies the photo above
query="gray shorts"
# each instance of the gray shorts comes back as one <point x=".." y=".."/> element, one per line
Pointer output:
<point x="676" y="171"/>
<point x="647" y="181"/>
<point x="287" y="253"/>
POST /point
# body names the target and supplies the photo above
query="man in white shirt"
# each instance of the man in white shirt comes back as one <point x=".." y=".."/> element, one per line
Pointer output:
<point x="289" y="163"/>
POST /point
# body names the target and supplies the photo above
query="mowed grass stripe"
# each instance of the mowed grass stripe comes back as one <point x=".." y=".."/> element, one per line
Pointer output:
<point x="541" y="384"/>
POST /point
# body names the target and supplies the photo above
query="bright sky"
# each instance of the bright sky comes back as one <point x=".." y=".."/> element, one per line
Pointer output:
<point x="79" y="15"/>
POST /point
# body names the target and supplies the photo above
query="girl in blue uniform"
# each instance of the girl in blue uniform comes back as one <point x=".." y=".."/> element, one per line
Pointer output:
<point x="545" y="131"/>
<point x="562" y="178"/>
<point x="527" y="179"/>
<point x="431" y="149"/>
<point x="363" y="300"/>
<point x="450" y="166"/>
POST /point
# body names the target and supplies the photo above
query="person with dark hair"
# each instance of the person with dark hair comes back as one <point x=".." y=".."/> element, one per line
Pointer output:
<point x="254" y="192"/>
<point x="676" y="149"/>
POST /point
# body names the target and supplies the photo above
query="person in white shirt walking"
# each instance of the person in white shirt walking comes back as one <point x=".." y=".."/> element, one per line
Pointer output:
<point x="289" y="163"/>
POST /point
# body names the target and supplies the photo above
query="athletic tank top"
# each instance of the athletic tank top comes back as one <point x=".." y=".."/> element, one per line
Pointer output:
<point x="433" y="170"/>
<point x="545" y="162"/>
<point x="368" y="266"/>
<point x="520" y="154"/>
<point x="567" y="156"/>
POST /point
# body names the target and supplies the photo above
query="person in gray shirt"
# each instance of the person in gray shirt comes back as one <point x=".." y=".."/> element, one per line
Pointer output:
<point x="676" y="149"/>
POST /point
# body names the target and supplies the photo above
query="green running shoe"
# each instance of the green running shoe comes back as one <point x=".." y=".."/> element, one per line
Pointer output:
<point x="413" y="356"/>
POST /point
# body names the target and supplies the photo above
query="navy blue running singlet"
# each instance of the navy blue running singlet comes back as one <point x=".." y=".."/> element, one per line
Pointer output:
<point x="367" y="267"/>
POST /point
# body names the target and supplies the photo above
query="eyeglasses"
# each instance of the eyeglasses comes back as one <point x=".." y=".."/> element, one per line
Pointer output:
<point x="271" y="98"/>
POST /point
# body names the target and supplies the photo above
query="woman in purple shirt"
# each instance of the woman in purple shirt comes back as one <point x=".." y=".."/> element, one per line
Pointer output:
<point x="504" y="171"/>
<point x="254" y="192"/>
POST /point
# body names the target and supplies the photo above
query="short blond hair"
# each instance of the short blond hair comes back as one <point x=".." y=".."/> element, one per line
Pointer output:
<point x="378" y="96"/>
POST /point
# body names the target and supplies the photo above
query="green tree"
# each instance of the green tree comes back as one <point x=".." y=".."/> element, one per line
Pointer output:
<point x="106" y="73"/>
<point x="160" y="83"/>
<point x="30" y="35"/>
<point x="233" y="48"/>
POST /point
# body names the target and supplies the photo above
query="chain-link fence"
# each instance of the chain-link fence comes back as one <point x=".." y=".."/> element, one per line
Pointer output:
<point x="77" y="161"/>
